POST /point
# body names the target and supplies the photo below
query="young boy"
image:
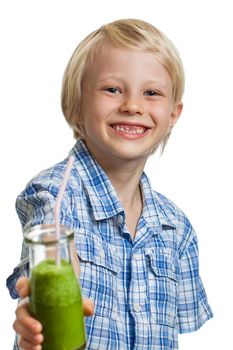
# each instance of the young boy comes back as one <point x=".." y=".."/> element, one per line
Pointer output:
<point x="138" y="252"/>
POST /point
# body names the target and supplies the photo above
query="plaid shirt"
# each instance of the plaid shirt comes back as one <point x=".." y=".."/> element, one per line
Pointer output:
<point x="145" y="290"/>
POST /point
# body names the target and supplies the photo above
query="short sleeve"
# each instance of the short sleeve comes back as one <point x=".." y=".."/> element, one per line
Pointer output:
<point x="35" y="206"/>
<point x="193" y="307"/>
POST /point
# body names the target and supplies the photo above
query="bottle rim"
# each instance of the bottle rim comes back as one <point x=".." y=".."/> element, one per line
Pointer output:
<point x="45" y="234"/>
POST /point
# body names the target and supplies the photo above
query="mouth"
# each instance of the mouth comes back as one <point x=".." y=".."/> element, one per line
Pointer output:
<point x="129" y="129"/>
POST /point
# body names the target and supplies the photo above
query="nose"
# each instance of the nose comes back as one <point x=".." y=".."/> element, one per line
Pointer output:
<point x="132" y="105"/>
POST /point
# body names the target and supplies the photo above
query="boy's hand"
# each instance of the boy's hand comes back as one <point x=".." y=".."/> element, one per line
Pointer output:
<point x="27" y="327"/>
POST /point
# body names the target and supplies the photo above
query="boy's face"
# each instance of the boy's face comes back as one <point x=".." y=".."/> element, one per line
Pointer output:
<point x="127" y="107"/>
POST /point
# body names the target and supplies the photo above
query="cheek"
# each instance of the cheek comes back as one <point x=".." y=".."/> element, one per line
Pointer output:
<point x="101" y="111"/>
<point x="161" y="115"/>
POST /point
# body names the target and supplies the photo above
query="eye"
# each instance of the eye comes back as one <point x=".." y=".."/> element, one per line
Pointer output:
<point x="151" y="93"/>
<point x="112" y="90"/>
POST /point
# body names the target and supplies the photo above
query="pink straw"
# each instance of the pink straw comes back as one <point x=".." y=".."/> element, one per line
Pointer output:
<point x="59" y="199"/>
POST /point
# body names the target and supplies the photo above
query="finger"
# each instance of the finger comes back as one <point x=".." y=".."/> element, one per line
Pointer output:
<point x="28" y="322"/>
<point x="32" y="338"/>
<point x="88" y="307"/>
<point x="26" y="345"/>
<point x="75" y="259"/>
<point x="23" y="287"/>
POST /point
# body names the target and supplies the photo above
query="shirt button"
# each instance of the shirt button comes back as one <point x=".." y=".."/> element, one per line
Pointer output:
<point x="120" y="219"/>
<point x="102" y="254"/>
<point x="137" y="307"/>
<point x="136" y="257"/>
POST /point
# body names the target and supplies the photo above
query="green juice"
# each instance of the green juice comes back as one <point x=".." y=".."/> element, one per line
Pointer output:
<point x="56" y="302"/>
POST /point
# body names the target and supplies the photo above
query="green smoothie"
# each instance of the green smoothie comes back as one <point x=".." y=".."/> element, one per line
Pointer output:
<point x="56" y="302"/>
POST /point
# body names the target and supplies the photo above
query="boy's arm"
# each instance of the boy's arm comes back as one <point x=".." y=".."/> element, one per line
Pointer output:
<point x="35" y="206"/>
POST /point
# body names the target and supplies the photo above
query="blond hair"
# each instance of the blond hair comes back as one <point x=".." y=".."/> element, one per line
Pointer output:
<point x="127" y="34"/>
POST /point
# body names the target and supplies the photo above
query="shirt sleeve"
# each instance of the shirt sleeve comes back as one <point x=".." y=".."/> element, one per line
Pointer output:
<point x="35" y="206"/>
<point x="193" y="307"/>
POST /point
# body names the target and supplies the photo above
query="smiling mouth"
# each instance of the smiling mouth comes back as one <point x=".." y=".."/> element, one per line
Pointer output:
<point x="130" y="129"/>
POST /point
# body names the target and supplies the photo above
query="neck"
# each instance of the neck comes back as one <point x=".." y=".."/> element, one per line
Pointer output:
<point x="124" y="174"/>
<point x="125" y="177"/>
<point x="126" y="184"/>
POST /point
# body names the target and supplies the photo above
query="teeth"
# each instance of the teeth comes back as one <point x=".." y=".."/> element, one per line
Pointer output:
<point x="129" y="129"/>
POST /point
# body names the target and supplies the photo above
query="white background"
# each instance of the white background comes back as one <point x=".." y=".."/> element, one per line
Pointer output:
<point x="37" y="39"/>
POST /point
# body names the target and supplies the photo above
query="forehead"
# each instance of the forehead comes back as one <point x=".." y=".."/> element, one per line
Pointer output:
<point x="111" y="61"/>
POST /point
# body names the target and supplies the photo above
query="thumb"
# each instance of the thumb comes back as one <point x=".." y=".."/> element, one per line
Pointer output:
<point x="75" y="259"/>
<point x="23" y="287"/>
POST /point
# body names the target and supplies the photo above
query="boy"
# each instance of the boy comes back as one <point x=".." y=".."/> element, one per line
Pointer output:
<point x="122" y="92"/>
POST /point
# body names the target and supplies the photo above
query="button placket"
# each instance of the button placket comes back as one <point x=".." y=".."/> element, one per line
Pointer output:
<point x="138" y="289"/>
<point x="102" y="254"/>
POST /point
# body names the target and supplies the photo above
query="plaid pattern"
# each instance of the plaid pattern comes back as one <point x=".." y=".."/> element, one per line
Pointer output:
<point x="145" y="290"/>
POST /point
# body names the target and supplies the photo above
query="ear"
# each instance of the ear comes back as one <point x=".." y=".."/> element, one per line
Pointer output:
<point x="176" y="112"/>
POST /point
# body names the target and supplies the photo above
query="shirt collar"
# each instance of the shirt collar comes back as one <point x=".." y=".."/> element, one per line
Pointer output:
<point x="157" y="209"/>
<point x="102" y="195"/>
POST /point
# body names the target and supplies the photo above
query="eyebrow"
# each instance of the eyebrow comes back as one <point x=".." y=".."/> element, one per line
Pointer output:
<point x="121" y="79"/>
<point x="159" y="82"/>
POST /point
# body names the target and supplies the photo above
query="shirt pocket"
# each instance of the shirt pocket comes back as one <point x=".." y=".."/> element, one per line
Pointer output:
<point x="163" y="280"/>
<point x="99" y="268"/>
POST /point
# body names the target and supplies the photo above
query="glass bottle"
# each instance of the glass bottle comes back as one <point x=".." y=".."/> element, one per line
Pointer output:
<point x="55" y="298"/>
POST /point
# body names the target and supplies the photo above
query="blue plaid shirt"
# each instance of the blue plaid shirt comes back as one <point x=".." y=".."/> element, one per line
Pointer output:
<point x="145" y="290"/>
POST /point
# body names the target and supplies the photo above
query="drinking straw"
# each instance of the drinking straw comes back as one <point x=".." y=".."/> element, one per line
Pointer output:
<point x="58" y="202"/>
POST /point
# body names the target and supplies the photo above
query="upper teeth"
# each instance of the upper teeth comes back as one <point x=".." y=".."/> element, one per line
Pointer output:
<point x="130" y="129"/>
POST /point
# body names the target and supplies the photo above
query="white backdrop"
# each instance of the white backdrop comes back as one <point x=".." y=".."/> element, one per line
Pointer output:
<point x="37" y="39"/>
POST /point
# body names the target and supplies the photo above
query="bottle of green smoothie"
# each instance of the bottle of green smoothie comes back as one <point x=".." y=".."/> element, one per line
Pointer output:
<point x="55" y="298"/>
